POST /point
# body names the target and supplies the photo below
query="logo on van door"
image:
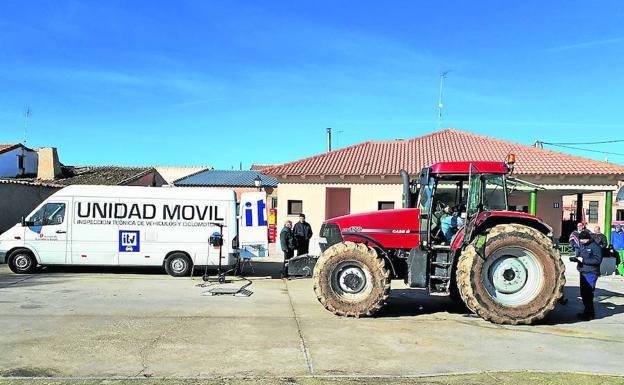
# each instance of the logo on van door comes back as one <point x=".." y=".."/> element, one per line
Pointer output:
<point x="129" y="241"/>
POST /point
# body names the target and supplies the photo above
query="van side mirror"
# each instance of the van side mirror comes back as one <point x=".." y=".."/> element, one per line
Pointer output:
<point x="26" y="223"/>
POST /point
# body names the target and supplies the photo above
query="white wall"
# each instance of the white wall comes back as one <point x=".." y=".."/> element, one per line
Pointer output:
<point x="364" y="197"/>
<point x="9" y="163"/>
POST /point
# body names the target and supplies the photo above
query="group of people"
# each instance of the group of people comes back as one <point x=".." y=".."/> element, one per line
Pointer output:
<point x="294" y="238"/>
<point x="589" y="250"/>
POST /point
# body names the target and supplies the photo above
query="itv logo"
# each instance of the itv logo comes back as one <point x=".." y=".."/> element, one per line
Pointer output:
<point x="129" y="241"/>
<point x="259" y="210"/>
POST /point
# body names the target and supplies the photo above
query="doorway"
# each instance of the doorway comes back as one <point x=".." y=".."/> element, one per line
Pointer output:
<point x="337" y="202"/>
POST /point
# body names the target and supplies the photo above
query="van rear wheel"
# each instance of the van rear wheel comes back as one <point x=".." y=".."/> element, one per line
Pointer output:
<point x="178" y="265"/>
<point x="22" y="261"/>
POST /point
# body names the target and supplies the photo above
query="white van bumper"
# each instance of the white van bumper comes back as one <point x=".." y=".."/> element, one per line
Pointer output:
<point x="2" y="256"/>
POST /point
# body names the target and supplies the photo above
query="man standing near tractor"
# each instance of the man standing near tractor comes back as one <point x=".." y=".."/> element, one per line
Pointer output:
<point x="303" y="233"/>
<point x="588" y="259"/>
<point x="288" y="244"/>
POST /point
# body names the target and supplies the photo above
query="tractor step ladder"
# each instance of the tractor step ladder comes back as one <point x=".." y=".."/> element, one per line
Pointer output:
<point x="440" y="267"/>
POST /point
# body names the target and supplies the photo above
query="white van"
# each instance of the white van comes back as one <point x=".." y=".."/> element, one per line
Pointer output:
<point x="129" y="226"/>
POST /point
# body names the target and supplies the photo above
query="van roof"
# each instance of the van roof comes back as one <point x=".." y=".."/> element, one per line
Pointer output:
<point x="146" y="192"/>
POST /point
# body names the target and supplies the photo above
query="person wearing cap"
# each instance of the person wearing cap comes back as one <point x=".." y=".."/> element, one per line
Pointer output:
<point x="588" y="259"/>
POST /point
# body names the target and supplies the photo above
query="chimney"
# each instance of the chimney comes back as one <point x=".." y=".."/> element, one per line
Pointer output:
<point x="328" y="139"/>
<point x="48" y="166"/>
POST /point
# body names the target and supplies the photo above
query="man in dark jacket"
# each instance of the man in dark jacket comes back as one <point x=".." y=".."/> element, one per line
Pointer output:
<point x="303" y="233"/>
<point x="288" y="244"/>
<point x="601" y="240"/>
<point x="588" y="258"/>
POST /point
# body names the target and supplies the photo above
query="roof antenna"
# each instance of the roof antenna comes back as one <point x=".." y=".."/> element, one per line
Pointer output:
<point x="440" y="105"/>
<point x="27" y="114"/>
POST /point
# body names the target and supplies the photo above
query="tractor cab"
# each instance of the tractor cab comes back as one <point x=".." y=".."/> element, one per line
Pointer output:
<point x="450" y="195"/>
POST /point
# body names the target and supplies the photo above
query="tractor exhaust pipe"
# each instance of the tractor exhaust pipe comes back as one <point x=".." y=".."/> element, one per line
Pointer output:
<point x="406" y="188"/>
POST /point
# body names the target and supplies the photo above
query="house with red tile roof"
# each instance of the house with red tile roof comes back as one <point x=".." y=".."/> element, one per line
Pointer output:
<point x="365" y="177"/>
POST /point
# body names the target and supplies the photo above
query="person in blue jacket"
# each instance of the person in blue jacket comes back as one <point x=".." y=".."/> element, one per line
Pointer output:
<point x="617" y="240"/>
<point x="588" y="259"/>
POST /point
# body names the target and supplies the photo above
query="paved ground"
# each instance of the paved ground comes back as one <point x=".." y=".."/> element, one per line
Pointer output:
<point x="488" y="378"/>
<point x="96" y="322"/>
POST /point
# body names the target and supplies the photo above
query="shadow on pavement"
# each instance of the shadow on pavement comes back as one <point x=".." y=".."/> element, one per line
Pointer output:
<point x="260" y="269"/>
<point x="414" y="302"/>
<point x="566" y="314"/>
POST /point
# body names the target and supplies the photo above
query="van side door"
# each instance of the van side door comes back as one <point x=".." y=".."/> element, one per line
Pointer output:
<point x="47" y="232"/>
<point x="253" y="229"/>
<point x="95" y="234"/>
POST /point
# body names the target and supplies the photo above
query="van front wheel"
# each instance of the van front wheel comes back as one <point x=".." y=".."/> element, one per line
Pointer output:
<point x="22" y="262"/>
<point x="178" y="265"/>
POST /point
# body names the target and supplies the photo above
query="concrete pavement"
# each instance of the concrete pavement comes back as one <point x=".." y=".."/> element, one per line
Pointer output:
<point x="121" y="322"/>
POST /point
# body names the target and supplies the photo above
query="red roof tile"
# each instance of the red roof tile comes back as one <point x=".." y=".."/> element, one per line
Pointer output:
<point x="8" y="146"/>
<point x="389" y="157"/>
<point x="260" y="167"/>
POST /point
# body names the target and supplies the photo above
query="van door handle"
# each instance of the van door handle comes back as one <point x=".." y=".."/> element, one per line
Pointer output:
<point x="61" y="231"/>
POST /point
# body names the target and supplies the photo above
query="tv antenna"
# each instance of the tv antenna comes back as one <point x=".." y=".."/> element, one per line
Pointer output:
<point x="338" y="133"/>
<point x="27" y="114"/>
<point x="443" y="76"/>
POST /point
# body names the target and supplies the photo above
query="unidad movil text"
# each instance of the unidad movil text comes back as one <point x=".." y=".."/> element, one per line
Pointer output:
<point x="107" y="210"/>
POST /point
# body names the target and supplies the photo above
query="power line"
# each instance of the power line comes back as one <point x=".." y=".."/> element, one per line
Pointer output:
<point x="584" y="143"/>
<point x="583" y="149"/>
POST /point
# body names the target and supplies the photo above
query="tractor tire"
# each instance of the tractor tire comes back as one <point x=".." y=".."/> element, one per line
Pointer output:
<point x="350" y="279"/>
<point x="515" y="278"/>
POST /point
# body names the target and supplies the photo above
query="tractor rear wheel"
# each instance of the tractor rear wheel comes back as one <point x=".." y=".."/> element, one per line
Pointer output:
<point x="515" y="277"/>
<point x="350" y="279"/>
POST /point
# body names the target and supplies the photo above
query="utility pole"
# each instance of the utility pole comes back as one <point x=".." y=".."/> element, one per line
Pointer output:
<point x="440" y="105"/>
<point x="27" y="114"/>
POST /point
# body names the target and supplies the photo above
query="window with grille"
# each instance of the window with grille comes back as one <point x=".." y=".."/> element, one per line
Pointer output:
<point x="593" y="212"/>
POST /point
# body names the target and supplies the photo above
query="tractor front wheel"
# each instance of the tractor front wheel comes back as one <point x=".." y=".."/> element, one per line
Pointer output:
<point x="350" y="279"/>
<point x="515" y="277"/>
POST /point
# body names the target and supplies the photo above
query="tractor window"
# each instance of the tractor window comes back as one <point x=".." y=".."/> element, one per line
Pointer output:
<point x="487" y="192"/>
<point x="495" y="197"/>
<point x="474" y="195"/>
<point x="426" y="194"/>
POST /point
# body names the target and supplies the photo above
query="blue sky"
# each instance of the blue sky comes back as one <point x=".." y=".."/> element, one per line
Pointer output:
<point x="218" y="82"/>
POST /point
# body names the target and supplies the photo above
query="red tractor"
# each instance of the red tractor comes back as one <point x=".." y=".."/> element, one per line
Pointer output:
<point x="454" y="237"/>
